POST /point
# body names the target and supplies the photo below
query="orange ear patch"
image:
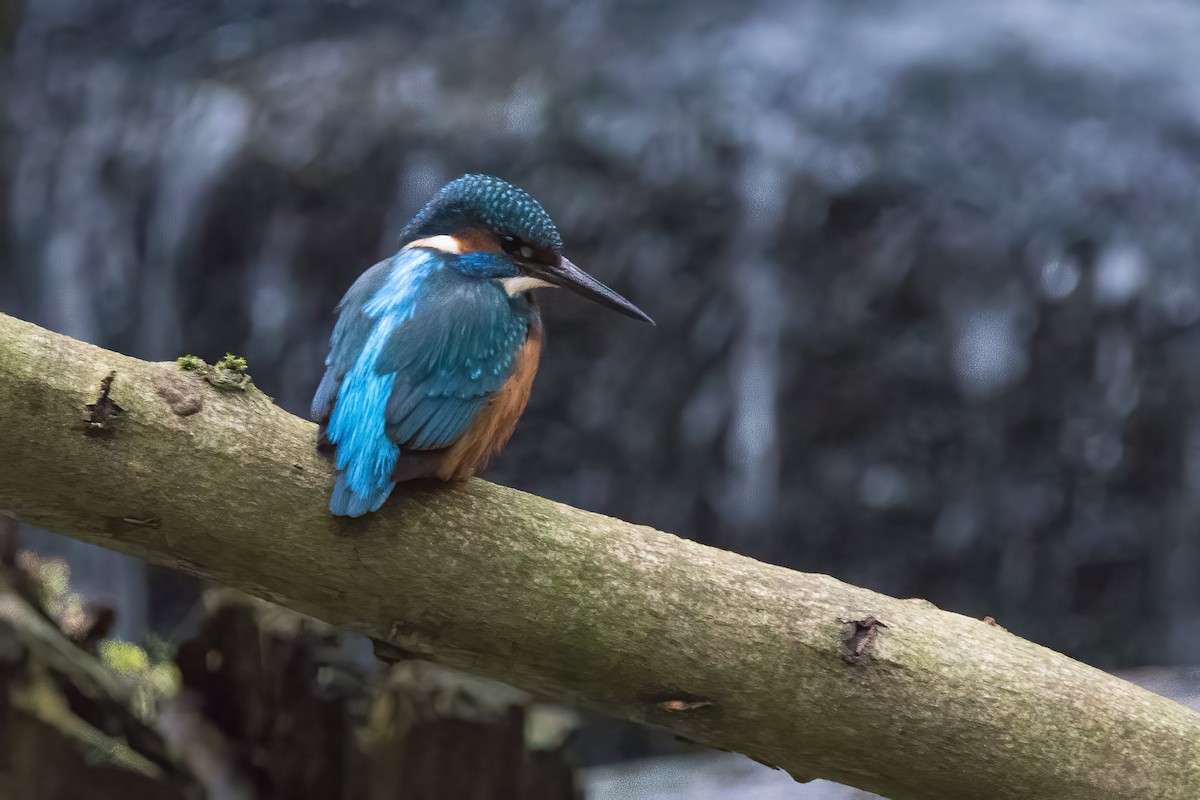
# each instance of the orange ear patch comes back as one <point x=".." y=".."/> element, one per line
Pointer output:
<point x="465" y="241"/>
<point x="476" y="241"/>
<point x="495" y="424"/>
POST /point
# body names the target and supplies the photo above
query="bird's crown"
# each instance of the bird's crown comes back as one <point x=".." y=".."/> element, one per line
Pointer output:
<point x="496" y="204"/>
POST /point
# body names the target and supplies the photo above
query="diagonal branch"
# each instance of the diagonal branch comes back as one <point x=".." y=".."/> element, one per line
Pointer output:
<point x="803" y="671"/>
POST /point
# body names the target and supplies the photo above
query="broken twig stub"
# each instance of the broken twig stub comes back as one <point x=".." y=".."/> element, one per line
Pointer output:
<point x="860" y="640"/>
<point x="102" y="414"/>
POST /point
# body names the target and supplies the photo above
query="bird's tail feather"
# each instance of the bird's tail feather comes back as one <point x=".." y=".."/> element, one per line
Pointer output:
<point x="347" y="503"/>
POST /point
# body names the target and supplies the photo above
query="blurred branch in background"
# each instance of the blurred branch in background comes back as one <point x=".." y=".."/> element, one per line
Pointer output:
<point x="258" y="704"/>
<point x="10" y="18"/>
<point x="67" y="728"/>
<point x="797" y="670"/>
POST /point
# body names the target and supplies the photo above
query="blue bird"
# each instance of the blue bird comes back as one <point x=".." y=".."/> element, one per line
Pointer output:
<point x="433" y="354"/>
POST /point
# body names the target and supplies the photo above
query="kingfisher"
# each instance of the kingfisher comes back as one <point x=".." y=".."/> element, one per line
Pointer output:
<point x="433" y="354"/>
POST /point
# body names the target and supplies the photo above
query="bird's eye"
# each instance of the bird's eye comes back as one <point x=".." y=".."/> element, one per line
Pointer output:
<point x="515" y="247"/>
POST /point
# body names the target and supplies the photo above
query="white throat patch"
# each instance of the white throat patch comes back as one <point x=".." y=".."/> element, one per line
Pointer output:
<point x="522" y="283"/>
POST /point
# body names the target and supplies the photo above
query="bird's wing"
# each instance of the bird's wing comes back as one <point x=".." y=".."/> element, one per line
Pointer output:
<point x="416" y="351"/>
<point x="456" y="349"/>
<point x="348" y="339"/>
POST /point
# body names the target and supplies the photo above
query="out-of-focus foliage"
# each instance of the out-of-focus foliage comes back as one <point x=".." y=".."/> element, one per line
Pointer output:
<point x="925" y="272"/>
<point x="257" y="703"/>
<point x="151" y="670"/>
<point x="66" y="725"/>
<point x="51" y="582"/>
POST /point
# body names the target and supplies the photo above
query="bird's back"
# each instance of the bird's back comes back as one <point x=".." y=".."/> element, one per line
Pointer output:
<point x="427" y="373"/>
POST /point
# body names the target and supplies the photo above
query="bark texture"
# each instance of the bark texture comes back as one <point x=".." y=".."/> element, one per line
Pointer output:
<point x="205" y="474"/>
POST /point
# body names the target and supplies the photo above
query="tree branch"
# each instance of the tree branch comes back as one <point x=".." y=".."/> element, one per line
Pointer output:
<point x="797" y="670"/>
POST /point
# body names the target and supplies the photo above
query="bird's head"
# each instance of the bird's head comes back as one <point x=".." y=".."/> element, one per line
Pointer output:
<point x="499" y="231"/>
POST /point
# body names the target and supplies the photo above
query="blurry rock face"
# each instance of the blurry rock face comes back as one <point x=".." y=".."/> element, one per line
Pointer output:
<point x="925" y="277"/>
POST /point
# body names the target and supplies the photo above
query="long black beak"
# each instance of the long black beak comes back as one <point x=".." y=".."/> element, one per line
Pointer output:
<point x="569" y="276"/>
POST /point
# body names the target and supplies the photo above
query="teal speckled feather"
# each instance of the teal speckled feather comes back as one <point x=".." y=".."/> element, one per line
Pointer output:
<point x="495" y="204"/>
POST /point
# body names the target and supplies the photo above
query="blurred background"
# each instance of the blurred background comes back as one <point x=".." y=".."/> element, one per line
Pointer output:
<point x="925" y="274"/>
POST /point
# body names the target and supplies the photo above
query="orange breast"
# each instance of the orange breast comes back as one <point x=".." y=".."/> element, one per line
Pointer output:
<point x="495" y="424"/>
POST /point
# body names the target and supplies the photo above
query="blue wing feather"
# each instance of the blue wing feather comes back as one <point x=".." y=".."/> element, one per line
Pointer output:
<point x="417" y="349"/>
<point x="348" y="338"/>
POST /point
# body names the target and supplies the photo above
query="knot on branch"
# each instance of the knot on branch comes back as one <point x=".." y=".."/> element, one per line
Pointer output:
<point x="183" y="396"/>
<point x="410" y="641"/>
<point x="680" y="706"/>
